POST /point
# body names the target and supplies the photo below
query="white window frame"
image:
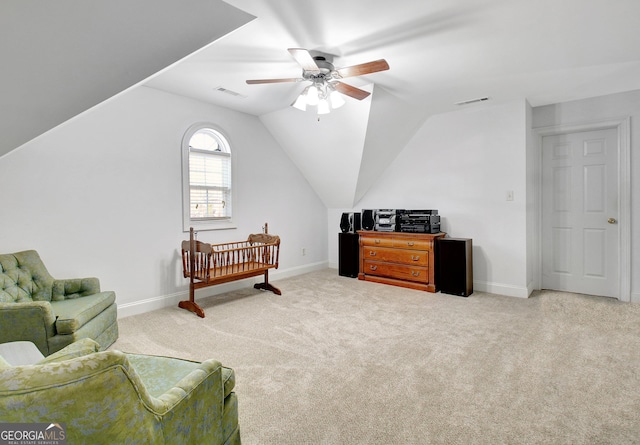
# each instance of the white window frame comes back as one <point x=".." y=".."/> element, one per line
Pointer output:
<point x="203" y="224"/>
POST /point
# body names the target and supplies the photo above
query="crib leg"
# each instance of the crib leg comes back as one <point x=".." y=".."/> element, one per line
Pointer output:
<point x="191" y="305"/>
<point x="266" y="285"/>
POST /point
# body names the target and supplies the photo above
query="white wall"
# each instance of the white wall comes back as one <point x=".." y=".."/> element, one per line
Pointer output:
<point x="600" y="109"/>
<point x="327" y="149"/>
<point x="101" y="196"/>
<point x="463" y="163"/>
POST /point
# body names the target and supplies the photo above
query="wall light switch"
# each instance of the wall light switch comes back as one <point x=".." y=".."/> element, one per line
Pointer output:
<point x="509" y="195"/>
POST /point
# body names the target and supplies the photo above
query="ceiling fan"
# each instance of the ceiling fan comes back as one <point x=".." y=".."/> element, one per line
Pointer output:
<point x="325" y="79"/>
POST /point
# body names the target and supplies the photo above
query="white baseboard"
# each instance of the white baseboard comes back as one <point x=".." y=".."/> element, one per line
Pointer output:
<point x="155" y="303"/>
<point x="298" y="270"/>
<point x="635" y="297"/>
<point x="501" y="289"/>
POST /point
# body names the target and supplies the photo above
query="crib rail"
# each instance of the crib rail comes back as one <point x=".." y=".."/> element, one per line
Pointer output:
<point x="215" y="260"/>
<point x="231" y="258"/>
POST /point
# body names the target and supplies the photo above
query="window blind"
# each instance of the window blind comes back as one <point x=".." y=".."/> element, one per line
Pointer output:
<point x="210" y="184"/>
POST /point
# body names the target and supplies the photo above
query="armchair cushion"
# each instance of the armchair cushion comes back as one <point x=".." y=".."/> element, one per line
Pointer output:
<point x="75" y="313"/>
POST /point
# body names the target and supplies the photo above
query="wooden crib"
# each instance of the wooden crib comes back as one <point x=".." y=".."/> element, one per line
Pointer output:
<point x="210" y="264"/>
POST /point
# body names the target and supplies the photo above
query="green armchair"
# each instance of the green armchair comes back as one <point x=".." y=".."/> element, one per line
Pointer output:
<point x="52" y="313"/>
<point x="113" y="397"/>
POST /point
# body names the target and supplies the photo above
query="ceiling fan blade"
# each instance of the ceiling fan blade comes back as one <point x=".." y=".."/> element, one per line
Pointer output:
<point x="350" y="91"/>
<point x="364" y="68"/>
<point x="305" y="60"/>
<point x="290" y="79"/>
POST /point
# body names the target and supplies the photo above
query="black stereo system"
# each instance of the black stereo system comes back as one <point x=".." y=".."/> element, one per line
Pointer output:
<point x="400" y="220"/>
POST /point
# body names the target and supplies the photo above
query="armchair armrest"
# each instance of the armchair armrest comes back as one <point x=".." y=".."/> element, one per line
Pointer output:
<point x="74" y="288"/>
<point x="32" y="321"/>
<point x="79" y="348"/>
<point x="197" y="399"/>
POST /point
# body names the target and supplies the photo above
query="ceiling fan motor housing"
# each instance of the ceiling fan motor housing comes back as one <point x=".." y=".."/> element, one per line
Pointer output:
<point x="327" y="70"/>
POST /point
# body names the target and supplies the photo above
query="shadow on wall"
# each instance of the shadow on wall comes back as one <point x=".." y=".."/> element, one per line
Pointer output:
<point x="481" y="263"/>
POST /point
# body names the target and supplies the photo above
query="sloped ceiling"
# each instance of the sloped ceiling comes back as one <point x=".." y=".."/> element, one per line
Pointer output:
<point x="392" y="124"/>
<point x="60" y="58"/>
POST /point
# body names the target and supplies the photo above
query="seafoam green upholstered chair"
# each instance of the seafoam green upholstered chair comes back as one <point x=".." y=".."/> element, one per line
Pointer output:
<point x="117" y="398"/>
<point x="52" y="313"/>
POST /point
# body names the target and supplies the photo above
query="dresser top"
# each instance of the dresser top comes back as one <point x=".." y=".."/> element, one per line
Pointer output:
<point x="406" y="235"/>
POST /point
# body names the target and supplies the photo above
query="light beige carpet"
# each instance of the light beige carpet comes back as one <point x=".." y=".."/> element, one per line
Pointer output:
<point x="334" y="360"/>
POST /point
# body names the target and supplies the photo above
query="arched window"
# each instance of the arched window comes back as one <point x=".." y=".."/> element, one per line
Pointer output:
<point x="207" y="185"/>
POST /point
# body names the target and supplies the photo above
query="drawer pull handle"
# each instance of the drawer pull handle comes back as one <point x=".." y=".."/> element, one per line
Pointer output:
<point x="377" y="241"/>
<point x="410" y="243"/>
<point x="373" y="267"/>
<point x="415" y="257"/>
<point x="372" y="253"/>
<point x="415" y="274"/>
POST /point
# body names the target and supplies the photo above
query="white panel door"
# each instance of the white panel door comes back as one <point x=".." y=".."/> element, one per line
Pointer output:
<point x="579" y="212"/>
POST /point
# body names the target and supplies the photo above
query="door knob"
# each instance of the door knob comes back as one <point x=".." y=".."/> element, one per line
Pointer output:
<point x="612" y="221"/>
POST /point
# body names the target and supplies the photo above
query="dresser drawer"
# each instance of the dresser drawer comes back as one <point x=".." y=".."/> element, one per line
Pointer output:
<point x="415" y="244"/>
<point x="403" y="256"/>
<point x="398" y="271"/>
<point x="376" y="241"/>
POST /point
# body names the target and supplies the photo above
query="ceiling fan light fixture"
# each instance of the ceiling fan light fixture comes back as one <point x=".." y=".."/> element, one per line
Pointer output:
<point x="300" y="103"/>
<point x="323" y="107"/>
<point x="312" y="96"/>
<point x="336" y="99"/>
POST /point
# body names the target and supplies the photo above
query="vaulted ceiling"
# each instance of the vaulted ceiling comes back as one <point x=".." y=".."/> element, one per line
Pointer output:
<point x="60" y="58"/>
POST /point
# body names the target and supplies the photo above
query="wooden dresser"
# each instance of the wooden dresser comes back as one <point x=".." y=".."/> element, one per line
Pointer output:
<point x="398" y="258"/>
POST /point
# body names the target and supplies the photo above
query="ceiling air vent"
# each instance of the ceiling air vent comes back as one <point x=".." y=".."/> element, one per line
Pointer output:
<point x="229" y="92"/>
<point x="473" y="101"/>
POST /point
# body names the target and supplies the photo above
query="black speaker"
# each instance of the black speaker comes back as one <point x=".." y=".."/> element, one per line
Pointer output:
<point x="348" y="254"/>
<point x="357" y="222"/>
<point x="350" y="222"/>
<point x="344" y="222"/>
<point x="454" y="266"/>
<point x="368" y="219"/>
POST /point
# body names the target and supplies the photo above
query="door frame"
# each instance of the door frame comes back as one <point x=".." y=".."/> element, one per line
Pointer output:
<point x="623" y="128"/>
